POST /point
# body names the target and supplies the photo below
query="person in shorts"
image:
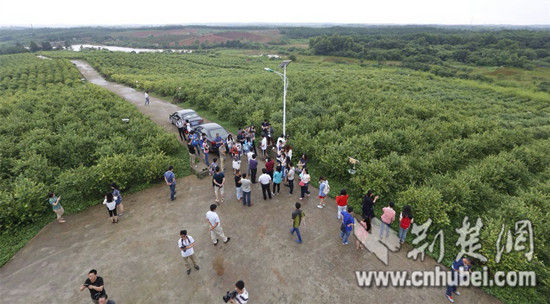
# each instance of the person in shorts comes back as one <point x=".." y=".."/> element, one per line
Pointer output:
<point x="110" y="202"/>
<point x="56" y="207"/>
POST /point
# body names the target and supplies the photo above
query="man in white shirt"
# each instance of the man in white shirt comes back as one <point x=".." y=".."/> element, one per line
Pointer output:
<point x="265" y="180"/>
<point x="242" y="294"/>
<point x="180" y="124"/>
<point x="263" y="146"/>
<point x="147" y="98"/>
<point x="186" y="244"/>
<point x="213" y="221"/>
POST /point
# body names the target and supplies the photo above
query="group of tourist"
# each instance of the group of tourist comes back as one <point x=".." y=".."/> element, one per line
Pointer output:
<point x="278" y="169"/>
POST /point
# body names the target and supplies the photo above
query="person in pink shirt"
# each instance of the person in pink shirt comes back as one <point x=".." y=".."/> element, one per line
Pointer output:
<point x="388" y="216"/>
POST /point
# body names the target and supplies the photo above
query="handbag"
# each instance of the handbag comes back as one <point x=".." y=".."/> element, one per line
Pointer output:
<point x="302" y="184"/>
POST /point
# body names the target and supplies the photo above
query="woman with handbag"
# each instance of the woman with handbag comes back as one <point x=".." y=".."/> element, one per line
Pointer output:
<point x="304" y="183"/>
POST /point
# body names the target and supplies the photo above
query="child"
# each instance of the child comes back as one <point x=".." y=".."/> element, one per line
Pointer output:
<point x="405" y="221"/>
<point x="323" y="191"/>
<point x="342" y="202"/>
<point x="236" y="163"/>
<point x="387" y="218"/>
<point x="110" y="202"/>
<point x="360" y="232"/>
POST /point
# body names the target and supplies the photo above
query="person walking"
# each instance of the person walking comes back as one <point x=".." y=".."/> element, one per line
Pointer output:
<point x="277" y="179"/>
<point x="95" y="284"/>
<point x="304" y="183"/>
<point x="368" y="208"/>
<point x="297" y="218"/>
<point x="341" y="202"/>
<point x="388" y="216"/>
<point x="170" y="179"/>
<point x="253" y="167"/>
<point x="118" y="198"/>
<point x="147" y="101"/>
<point x="302" y="163"/>
<point x="347" y="225"/>
<point x="458" y="269"/>
<point x="56" y="207"/>
<point x="111" y="207"/>
<point x="238" y="185"/>
<point x="191" y="149"/>
<point x="405" y="221"/>
<point x="265" y="180"/>
<point x="246" y="189"/>
<point x="324" y="190"/>
<point x="186" y="244"/>
<point x="290" y="173"/>
<point x="218" y="181"/>
<point x="215" y="227"/>
<point x="180" y="124"/>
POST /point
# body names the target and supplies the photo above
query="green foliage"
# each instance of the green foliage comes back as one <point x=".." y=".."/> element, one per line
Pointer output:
<point x="448" y="147"/>
<point x="61" y="135"/>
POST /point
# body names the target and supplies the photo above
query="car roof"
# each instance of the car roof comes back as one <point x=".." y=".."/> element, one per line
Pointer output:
<point x="211" y="126"/>
<point x="186" y="111"/>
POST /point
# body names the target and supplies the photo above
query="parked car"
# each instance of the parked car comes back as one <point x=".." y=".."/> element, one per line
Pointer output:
<point x="211" y="129"/>
<point x="186" y="114"/>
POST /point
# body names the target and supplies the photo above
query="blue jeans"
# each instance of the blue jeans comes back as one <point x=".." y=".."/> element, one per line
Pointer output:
<point x="246" y="198"/>
<point x="297" y="230"/>
<point x="345" y="236"/>
<point x="386" y="226"/>
<point x="452" y="286"/>
<point x="239" y="192"/>
<point x="172" y="191"/>
<point x="206" y="159"/>
<point x="402" y="234"/>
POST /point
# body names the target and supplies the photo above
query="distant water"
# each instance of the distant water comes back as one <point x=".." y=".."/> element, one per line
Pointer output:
<point x="77" y="47"/>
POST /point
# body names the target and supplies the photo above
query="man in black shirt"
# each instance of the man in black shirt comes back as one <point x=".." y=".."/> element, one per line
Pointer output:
<point x="368" y="208"/>
<point x="95" y="284"/>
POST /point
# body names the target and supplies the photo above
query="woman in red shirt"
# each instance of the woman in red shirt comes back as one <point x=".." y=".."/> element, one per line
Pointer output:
<point x="342" y="202"/>
<point x="405" y="221"/>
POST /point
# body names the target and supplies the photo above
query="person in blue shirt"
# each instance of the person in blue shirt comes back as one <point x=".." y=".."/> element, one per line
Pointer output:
<point x="195" y="143"/>
<point x="462" y="265"/>
<point x="170" y="179"/>
<point x="277" y="179"/>
<point x="347" y="225"/>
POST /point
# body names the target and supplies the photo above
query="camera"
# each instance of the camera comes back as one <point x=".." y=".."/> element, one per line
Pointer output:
<point x="230" y="295"/>
<point x="183" y="248"/>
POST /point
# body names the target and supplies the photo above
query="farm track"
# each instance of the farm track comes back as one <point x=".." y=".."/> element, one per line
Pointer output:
<point x="140" y="262"/>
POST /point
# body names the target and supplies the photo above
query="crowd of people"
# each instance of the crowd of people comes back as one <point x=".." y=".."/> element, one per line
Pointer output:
<point x="278" y="169"/>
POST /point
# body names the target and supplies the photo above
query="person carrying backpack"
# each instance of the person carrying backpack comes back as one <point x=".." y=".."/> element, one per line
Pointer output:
<point x="324" y="189"/>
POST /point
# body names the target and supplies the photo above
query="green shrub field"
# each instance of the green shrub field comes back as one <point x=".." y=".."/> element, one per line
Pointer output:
<point x="449" y="147"/>
<point x="59" y="134"/>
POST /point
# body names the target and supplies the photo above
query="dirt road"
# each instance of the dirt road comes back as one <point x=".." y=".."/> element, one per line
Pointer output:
<point x="140" y="262"/>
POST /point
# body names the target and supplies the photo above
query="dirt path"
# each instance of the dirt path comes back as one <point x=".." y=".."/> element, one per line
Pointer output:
<point x="140" y="262"/>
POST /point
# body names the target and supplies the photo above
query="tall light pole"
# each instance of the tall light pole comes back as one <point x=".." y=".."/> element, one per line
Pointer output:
<point x="283" y="65"/>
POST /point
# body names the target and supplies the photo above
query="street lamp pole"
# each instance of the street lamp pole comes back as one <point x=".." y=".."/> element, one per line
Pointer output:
<point x="283" y="76"/>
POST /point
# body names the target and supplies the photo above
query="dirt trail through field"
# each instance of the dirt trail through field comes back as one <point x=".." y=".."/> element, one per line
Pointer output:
<point x="140" y="262"/>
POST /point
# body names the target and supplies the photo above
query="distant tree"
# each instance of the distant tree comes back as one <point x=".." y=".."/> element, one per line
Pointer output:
<point x="292" y="57"/>
<point x="34" y="47"/>
<point x="67" y="44"/>
<point x="46" y="46"/>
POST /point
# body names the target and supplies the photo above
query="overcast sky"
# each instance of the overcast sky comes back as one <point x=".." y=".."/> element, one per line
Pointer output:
<point x="123" y="12"/>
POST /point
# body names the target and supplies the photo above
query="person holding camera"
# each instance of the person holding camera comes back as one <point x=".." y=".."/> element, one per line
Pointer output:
<point x="186" y="244"/>
<point x="95" y="284"/>
<point x="239" y="296"/>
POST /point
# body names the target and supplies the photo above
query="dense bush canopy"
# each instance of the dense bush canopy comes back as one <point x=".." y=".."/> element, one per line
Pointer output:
<point x="448" y="147"/>
<point x="58" y="134"/>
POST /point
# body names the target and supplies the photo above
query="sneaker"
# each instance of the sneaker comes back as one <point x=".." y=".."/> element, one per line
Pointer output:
<point x="320" y="206"/>
<point x="346" y="243"/>
<point x="188" y="271"/>
<point x="457" y="293"/>
<point x="197" y="267"/>
<point x="299" y="242"/>
<point x="450" y="298"/>
<point x="228" y="239"/>
<point x="215" y="244"/>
